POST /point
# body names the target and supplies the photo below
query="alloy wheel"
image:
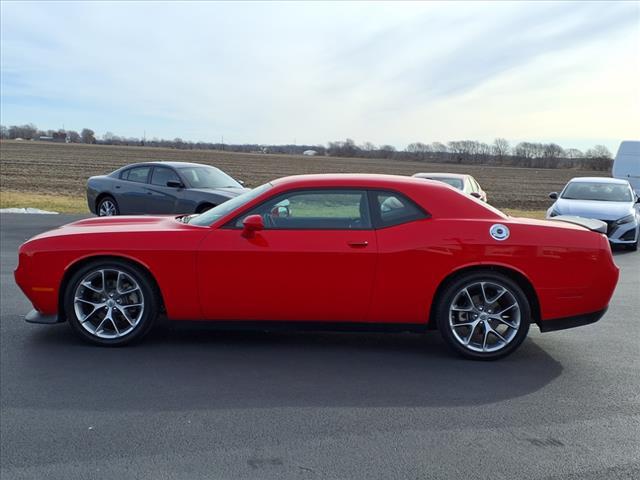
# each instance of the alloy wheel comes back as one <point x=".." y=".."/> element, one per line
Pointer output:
<point x="108" y="303"/>
<point x="107" y="209"/>
<point x="484" y="316"/>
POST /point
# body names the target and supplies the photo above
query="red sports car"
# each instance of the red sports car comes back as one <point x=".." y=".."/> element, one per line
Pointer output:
<point x="371" y="252"/>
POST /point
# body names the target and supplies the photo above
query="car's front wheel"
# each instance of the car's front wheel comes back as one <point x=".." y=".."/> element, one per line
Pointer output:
<point x="111" y="303"/>
<point x="483" y="315"/>
<point x="108" y="207"/>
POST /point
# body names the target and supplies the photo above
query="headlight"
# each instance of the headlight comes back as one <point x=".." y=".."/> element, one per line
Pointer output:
<point x="627" y="219"/>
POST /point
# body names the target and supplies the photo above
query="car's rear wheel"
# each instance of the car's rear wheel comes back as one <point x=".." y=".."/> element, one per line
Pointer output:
<point x="483" y="315"/>
<point x="108" y="207"/>
<point x="111" y="303"/>
<point x="204" y="207"/>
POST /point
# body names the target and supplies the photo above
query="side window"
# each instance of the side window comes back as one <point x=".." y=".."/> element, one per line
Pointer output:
<point x="392" y="208"/>
<point x="315" y="210"/>
<point x="162" y="175"/>
<point x="137" y="174"/>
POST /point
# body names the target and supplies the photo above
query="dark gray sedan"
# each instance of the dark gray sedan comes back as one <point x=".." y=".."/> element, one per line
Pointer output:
<point x="160" y="188"/>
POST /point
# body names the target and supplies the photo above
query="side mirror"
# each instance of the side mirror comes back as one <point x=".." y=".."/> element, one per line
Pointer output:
<point x="251" y="225"/>
<point x="173" y="184"/>
<point x="553" y="195"/>
<point x="476" y="194"/>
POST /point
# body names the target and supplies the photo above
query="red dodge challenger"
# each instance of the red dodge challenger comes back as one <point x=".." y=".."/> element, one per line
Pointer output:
<point x="341" y="252"/>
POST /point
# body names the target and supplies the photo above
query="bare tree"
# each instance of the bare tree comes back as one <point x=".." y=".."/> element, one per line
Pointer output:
<point x="418" y="149"/>
<point x="599" y="151"/>
<point x="88" y="135"/>
<point x="347" y="148"/>
<point x="484" y="150"/>
<point x="74" y="137"/>
<point x="368" y="147"/>
<point x="387" y="151"/>
<point x="438" y="147"/>
<point x="552" y="155"/>
<point x="573" y="153"/>
<point x="26" y="132"/>
<point x="501" y="147"/>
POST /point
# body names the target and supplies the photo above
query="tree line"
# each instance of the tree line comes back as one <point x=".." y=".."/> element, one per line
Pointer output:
<point x="473" y="152"/>
<point x="499" y="152"/>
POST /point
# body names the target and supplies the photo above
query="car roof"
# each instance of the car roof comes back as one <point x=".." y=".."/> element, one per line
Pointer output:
<point x="361" y="180"/>
<point x="169" y="164"/>
<point x="461" y="176"/>
<point x="619" y="181"/>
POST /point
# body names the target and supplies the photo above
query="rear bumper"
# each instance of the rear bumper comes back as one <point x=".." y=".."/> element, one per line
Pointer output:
<point x="35" y="316"/>
<point x="571" y="322"/>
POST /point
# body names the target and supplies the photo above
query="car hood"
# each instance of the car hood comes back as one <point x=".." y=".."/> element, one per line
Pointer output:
<point x="117" y="224"/>
<point x="594" y="209"/>
<point x="226" y="192"/>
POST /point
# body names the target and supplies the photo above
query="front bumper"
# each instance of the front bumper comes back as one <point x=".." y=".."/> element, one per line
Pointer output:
<point x="571" y="322"/>
<point x="627" y="233"/>
<point x="35" y="316"/>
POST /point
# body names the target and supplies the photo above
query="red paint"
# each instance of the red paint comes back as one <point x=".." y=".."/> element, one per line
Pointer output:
<point x="384" y="275"/>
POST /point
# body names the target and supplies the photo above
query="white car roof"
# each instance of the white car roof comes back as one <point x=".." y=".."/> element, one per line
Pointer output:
<point x="461" y="176"/>
<point x="618" y="181"/>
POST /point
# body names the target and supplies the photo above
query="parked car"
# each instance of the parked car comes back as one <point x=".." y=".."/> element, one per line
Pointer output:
<point x="463" y="182"/>
<point x="433" y="258"/>
<point x="626" y="165"/>
<point x="608" y="199"/>
<point x="160" y="188"/>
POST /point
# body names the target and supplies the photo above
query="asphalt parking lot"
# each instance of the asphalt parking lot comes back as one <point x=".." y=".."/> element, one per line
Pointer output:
<point x="201" y="404"/>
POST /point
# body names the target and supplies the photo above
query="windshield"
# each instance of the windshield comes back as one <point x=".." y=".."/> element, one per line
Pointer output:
<point x="604" y="192"/>
<point x="210" y="216"/>
<point x="208" y="177"/>
<point x="454" y="182"/>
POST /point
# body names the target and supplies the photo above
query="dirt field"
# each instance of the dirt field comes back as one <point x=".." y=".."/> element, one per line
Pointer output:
<point x="62" y="170"/>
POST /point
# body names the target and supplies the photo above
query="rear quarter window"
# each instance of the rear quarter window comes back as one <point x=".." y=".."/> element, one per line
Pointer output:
<point x="393" y="208"/>
<point x="136" y="174"/>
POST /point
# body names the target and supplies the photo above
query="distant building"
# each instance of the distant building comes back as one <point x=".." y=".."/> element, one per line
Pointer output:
<point x="310" y="153"/>
<point x="60" y="137"/>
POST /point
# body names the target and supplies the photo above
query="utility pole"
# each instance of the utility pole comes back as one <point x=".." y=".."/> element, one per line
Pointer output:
<point x="222" y="142"/>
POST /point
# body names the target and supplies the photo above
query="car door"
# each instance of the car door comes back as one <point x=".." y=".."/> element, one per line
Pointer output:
<point x="130" y="191"/>
<point x="406" y="263"/>
<point x="315" y="260"/>
<point x="161" y="198"/>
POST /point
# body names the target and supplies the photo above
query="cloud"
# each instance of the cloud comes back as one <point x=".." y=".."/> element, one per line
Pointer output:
<point x="271" y="72"/>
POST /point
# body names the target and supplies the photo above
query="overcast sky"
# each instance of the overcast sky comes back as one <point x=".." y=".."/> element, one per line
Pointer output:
<point x="314" y="72"/>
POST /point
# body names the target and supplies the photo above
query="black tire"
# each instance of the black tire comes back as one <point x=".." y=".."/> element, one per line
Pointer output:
<point x="147" y="290"/>
<point x="105" y="204"/>
<point x="451" y="293"/>
<point x="632" y="247"/>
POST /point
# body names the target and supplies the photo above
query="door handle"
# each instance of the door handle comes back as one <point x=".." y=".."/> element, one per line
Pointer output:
<point x="358" y="244"/>
<point x="117" y="186"/>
